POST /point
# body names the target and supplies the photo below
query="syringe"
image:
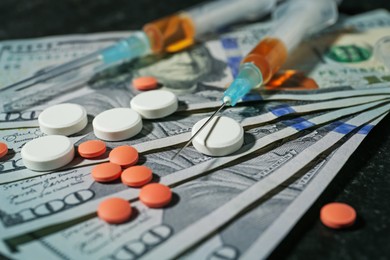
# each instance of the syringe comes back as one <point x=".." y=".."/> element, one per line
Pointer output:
<point x="294" y="20"/>
<point x="169" y="34"/>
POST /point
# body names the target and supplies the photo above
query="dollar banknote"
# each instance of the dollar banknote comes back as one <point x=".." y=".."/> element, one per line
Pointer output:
<point x="29" y="118"/>
<point x="341" y="57"/>
<point x="114" y="88"/>
<point x="266" y="225"/>
<point x="51" y="199"/>
<point x="171" y="131"/>
<point x="68" y="194"/>
<point x="198" y="74"/>
<point x="203" y="227"/>
<point x="153" y="228"/>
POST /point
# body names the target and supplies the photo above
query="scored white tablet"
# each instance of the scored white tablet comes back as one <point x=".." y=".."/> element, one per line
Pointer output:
<point x="222" y="136"/>
<point x="154" y="104"/>
<point x="63" y="119"/>
<point x="47" y="153"/>
<point x="117" y="124"/>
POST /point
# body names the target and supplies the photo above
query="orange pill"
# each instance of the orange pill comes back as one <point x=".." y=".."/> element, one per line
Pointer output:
<point x="106" y="172"/>
<point x="337" y="215"/>
<point x="145" y="83"/>
<point x="114" y="210"/>
<point x="124" y="155"/>
<point x="92" y="148"/>
<point x="155" y="195"/>
<point x="137" y="176"/>
<point x="3" y="149"/>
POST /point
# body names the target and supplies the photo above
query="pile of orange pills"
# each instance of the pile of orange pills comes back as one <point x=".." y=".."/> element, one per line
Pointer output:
<point x="122" y="160"/>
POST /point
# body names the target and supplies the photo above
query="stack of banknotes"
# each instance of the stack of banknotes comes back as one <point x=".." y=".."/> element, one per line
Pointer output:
<point x="300" y="130"/>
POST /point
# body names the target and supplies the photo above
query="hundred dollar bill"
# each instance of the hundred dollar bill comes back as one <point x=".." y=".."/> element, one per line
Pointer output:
<point x="199" y="74"/>
<point x="186" y="73"/>
<point x="275" y="232"/>
<point x="51" y="199"/>
<point x="29" y="118"/>
<point x="193" y="234"/>
<point x="157" y="135"/>
<point x="336" y="59"/>
<point x="150" y="228"/>
<point x="255" y="234"/>
<point x="265" y="226"/>
<point x="189" y="73"/>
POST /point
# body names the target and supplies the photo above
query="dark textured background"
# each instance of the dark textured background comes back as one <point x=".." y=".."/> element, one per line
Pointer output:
<point x="364" y="182"/>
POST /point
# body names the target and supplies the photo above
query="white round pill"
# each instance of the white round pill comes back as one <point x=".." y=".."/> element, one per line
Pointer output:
<point x="117" y="124"/>
<point x="63" y="119"/>
<point x="154" y="104"/>
<point x="221" y="136"/>
<point x="47" y="153"/>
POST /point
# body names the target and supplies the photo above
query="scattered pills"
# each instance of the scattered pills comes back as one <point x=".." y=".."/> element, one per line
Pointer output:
<point x="145" y="83"/>
<point x="63" y="119"/>
<point x="124" y="155"/>
<point x="337" y="215"/>
<point x="106" y="172"/>
<point x="222" y="136"/>
<point x="3" y="149"/>
<point x="154" y="104"/>
<point x="137" y="176"/>
<point x="114" y="210"/>
<point x="47" y="153"/>
<point x="155" y="195"/>
<point x="91" y="149"/>
<point x="117" y="124"/>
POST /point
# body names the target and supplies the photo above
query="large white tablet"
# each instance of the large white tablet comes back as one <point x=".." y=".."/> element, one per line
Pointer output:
<point x="154" y="104"/>
<point x="222" y="136"/>
<point x="47" y="153"/>
<point x="117" y="124"/>
<point x="63" y="119"/>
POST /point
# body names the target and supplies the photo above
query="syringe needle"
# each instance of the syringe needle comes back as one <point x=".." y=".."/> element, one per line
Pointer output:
<point x="200" y="129"/>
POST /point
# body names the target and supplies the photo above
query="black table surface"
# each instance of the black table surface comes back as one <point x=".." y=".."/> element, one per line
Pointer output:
<point x="364" y="182"/>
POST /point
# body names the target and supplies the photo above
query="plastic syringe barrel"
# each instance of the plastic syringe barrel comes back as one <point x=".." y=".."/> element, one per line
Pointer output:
<point x="179" y="31"/>
<point x="297" y="18"/>
<point x="211" y="16"/>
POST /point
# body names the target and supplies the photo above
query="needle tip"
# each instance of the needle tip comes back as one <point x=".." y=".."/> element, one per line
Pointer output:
<point x="173" y="157"/>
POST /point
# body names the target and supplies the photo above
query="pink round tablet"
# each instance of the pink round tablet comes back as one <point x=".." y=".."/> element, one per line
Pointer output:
<point x="91" y="149"/>
<point x="145" y="83"/>
<point x="114" y="210"/>
<point x="3" y="149"/>
<point x="136" y="176"/>
<point x="106" y="172"/>
<point x="124" y="155"/>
